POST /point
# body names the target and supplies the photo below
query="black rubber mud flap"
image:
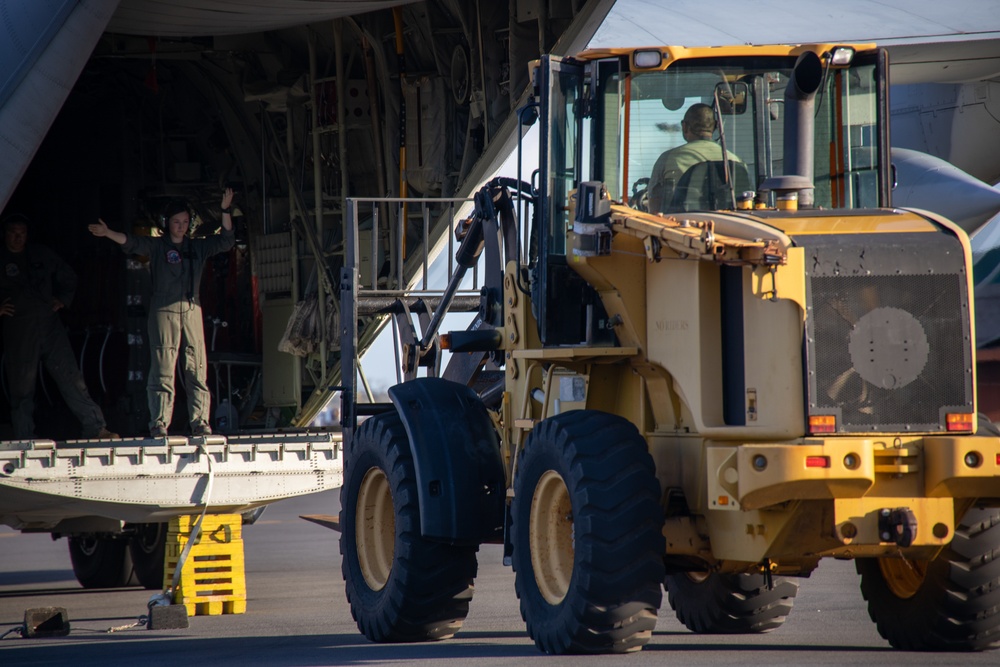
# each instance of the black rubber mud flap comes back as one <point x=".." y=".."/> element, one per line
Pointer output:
<point x="456" y="452"/>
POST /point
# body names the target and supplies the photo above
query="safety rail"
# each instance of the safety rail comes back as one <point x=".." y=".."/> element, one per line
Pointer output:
<point x="386" y="277"/>
<point x="411" y="270"/>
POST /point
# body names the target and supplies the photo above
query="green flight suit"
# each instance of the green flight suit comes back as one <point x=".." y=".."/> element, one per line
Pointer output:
<point x="175" y="321"/>
<point x="31" y="279"/>
<point x="672" y="164"/>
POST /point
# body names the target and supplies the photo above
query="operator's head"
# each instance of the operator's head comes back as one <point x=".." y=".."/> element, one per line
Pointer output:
<point x="699" y="122"/>
<point x="176" y="219"/>
<point x="15" y="232"/>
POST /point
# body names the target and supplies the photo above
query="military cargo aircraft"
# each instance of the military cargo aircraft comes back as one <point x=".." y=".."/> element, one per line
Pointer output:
<point x="109" y="108"/>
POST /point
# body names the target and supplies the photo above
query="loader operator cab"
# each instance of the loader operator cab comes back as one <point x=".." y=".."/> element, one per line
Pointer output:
<point x="608" y="115"/>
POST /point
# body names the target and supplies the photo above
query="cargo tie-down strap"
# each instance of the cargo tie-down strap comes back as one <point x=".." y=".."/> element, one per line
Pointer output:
<point x="166" y="598"/>
<point x="195" y="529"/>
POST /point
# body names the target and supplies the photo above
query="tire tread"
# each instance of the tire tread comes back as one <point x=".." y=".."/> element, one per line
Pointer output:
<point x="957" y="608"/>
<point x="430" y="587"/>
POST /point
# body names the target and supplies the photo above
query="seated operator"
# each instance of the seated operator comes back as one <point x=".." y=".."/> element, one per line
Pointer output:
<point x="697" y="127"/>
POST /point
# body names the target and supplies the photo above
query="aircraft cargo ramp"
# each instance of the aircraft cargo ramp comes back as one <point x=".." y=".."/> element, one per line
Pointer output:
<point x="78" y="484"/>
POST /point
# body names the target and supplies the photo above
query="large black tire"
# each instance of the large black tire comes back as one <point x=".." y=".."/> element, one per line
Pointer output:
<point x="148" y="546"/>
<point x="100" y="562"/>
<point x="730" y="603"/>
<point x="400" y="586"/>
<point x="587" y="532"/>
<point x="951" y="603"/>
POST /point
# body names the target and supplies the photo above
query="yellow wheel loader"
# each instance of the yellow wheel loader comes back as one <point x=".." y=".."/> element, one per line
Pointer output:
<point x="708" y="353"/>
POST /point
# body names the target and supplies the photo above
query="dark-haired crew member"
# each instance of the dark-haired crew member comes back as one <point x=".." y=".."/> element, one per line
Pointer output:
<point x="35" y="284"/>
<point x="697" y="128"/>
<point x="175" y="320"/>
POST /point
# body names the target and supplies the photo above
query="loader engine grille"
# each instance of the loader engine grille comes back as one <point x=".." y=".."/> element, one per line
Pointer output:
<point x="888" y="333"/>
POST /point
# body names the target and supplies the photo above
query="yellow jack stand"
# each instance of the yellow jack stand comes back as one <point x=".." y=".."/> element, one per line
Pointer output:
<point x="213" y="577"/>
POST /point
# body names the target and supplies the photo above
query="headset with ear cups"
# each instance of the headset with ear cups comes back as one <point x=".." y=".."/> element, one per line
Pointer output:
<point x="172" y="208"/>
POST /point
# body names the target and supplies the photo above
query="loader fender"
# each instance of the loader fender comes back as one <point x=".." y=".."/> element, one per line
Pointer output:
<point x="456" y="452"/>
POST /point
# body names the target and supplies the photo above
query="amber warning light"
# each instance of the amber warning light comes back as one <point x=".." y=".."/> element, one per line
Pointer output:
<point x="822" y="424"/>
<point x="959" y="421"/>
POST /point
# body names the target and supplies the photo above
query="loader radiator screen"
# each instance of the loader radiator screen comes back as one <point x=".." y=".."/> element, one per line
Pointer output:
<point x="888" y="334"/>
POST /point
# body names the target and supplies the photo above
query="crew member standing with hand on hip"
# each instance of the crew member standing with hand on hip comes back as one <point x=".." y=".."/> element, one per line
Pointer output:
<point x="35" y="284"/>
<point x="175" y="320"/>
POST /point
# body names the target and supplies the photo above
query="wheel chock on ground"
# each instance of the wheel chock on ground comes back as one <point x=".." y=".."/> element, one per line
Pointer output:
<point x="46" y="622"/>
<point x="167" y="617"/>
<point x="213" y="578"/>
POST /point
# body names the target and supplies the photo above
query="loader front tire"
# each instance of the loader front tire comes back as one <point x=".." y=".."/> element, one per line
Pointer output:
<point x="951" y="603"/>
<point x="730" y="603"/>
<point x="400" y="586"/>
<point x="587" y="531"/>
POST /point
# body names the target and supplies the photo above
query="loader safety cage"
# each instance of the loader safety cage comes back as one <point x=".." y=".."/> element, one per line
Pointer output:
<point x="376" y="282"/>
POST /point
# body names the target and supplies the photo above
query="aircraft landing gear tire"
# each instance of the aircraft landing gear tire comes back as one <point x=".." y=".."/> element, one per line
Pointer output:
<point x="587" y="535"/>
<point x="951" y="603"/>
<point x="148" y="546"/>
<point x="730" y="603"/>
<point x="100" y="562"/>
<point x="401" y="587"/>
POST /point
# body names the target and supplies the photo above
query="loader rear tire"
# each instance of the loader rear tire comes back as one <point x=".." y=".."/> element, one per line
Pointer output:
<point x="730" y="603"/>
<point x="951" y="603"/>
<point x="587" y="532"/>
<point x="400" y="586"/>
<point x="100" y="562"/>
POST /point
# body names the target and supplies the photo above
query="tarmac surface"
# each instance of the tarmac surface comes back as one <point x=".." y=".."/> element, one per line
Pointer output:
<point x="297" y="615"/>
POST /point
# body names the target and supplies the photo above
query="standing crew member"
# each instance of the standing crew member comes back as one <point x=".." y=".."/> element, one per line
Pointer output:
<point x="35" y="284"/>
<point x="175" y="320"/>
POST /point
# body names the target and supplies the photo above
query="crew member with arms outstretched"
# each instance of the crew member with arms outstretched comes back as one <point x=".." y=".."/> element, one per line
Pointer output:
<point x="175" y="320"/>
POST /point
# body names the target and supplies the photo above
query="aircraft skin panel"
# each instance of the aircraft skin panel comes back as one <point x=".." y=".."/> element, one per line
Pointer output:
<point x="721" y="22"/>
<point x="192" y="18"/>
<point x="946" y="61"/>
<point x="957" y="122"/>
<point x="954" y="41"/>
<point x="28" y="28"/>
<point x="33" y="104"/>
<point x="950" y="128"/>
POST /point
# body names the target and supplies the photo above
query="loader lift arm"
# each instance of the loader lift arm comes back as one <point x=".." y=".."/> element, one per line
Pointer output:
<point x="696" y="238"/>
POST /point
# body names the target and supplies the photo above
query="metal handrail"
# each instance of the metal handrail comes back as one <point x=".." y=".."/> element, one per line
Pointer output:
<point x="407" y="276"/>
<point x="450" y="208"/>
